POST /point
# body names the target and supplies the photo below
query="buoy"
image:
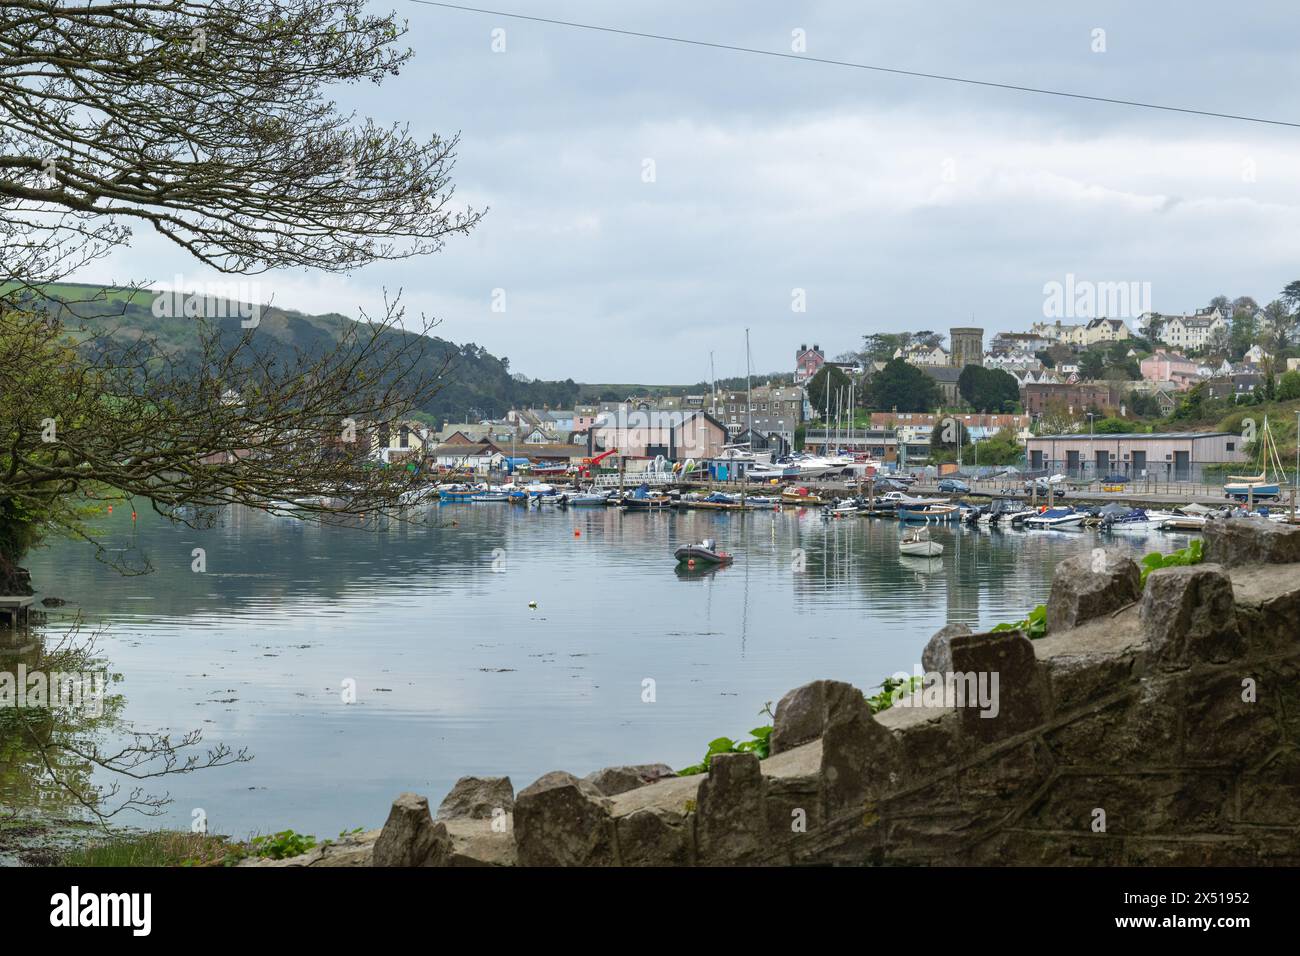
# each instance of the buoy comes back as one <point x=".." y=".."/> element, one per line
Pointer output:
<point x="532" y="604"/>
<point x="110" y="509"/>
<point x="577" y="533"/>
<point x="690" y="563"/>
<point x="132" y="515"/>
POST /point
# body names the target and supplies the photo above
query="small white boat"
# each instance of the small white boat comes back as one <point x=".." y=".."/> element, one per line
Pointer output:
<point x="1136" y="521"/>
<point x="916" y="543"/>
<point x="1055" y="518"/>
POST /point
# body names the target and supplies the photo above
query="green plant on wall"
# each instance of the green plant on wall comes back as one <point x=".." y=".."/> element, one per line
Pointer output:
<point x="1192" y="554"/>
<point x="1035" y="625"/>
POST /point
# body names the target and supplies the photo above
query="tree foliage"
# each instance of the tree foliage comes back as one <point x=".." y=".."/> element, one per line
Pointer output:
<point x="989" y="390"/>
<point x="904" y="387"/>
<point x="829" y="383"/>
<point x="209" y="124"/>
<point x="1001" y="449"/>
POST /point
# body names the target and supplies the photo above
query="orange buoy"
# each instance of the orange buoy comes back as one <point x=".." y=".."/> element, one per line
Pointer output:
<point x="577" y="533"/>
<point x="110" y="509"/>
<point x="690" y="563"/>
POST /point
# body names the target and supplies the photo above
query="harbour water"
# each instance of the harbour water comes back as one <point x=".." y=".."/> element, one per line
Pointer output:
<point x="496" y="640"/>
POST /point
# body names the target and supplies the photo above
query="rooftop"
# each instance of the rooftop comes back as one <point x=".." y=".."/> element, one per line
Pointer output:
<point x="1142" y="436"/>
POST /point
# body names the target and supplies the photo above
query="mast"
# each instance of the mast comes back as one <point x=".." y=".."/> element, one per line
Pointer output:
<point x="749" y="417"/>
<point x="713" y="378"/>
<point x="826" y="422"/>
<point x="749" y="396"/>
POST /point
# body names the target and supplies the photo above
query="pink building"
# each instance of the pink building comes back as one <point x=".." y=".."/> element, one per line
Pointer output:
<point x="648" y="433"/>
<point x="584" y="416"/>
<point x="1170" y="367"/>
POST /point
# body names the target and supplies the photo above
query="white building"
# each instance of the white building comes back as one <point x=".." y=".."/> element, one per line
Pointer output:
<point x="1060" y="334"/>
<point x="923" y="355"/>
<point x="1191" y="331"/>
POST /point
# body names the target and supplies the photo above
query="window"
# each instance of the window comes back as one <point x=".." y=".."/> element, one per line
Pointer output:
<point x="1232" y="446"/>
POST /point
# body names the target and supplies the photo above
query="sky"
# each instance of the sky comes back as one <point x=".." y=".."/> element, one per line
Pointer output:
<point x="877" y="202"/>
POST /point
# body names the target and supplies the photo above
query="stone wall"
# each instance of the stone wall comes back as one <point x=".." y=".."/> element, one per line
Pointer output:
<point x="1152" y="725"/>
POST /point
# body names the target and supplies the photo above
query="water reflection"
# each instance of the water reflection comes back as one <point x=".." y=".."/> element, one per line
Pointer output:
<point x="505" y="640"/>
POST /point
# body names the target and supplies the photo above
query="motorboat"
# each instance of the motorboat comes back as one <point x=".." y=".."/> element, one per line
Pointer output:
<point x="845" y="508"/>
<point x="587" y="499"/>
<point x="1190" y="517"/>
<point x="801" y="496"/>
<point x="706" y="552"/>
<point x="1136" y="521"/>
<point x="491" y="495"/>
<point x="1055" y="518"/>
<point x="916" y="543"/>
<point x="772" y="472"/>
<point x="413" y="496"/>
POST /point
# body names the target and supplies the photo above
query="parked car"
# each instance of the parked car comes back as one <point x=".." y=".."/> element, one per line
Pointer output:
<point x="1057" y="490"/>
<point x="891" y="484"/>
<point x="954" y="486"/>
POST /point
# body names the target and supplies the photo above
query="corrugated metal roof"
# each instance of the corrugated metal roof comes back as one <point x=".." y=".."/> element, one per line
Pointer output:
<point x="1140" y="436"/>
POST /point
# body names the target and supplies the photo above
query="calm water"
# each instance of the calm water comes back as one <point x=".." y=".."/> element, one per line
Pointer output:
<point x="456" y="674"/>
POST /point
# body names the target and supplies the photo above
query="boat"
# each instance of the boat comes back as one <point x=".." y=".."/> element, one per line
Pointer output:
<point x="587" y="499"/>
<point x="1190" y="517"/>
<point x="845" y="508"/>
<point x="762" y="503"/>
<point x="1136" y="521"/>
<point x="801" y="496"/>
<point x="927" y="510"/>
<point x="717" y="501"/>
<point x="413" y="496"/>
<point x="644" y="500"/>
<point x="457" y="493"/>
<point x="491" y="496"/>
<point x="1257" y="487"/>
<point x="772" y="472"/>
<point x="706" y="552"/>
<point x="916" y="543"/>
<point x="1055" y="518"/>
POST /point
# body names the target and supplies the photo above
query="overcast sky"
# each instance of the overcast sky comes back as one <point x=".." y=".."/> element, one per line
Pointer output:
<point x="894" y="202"/>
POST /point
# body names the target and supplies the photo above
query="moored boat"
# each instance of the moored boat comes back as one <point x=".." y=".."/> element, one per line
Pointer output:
<point x="706" y="552"/>
<point x="1055" y="518"/>
<point x="801" y="496"/>
<point x="1259" y="487"/>
<point x="1136" y="521"/>
<point x="916" y="543"/>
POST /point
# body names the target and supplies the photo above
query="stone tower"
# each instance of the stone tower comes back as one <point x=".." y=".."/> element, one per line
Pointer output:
<point x="967" y="347"/>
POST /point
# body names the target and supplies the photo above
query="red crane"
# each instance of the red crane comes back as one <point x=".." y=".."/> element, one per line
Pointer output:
<point x="584" y="470"/>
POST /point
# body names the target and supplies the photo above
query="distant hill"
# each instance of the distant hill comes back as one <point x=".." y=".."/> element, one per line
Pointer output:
<point x="477" y="383"/>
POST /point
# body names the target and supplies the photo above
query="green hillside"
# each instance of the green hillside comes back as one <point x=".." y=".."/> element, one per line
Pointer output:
<point x="476" y="381"/>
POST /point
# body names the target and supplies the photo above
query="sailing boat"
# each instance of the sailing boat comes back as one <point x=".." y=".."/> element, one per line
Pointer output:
<point x="1243" y="487"/>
